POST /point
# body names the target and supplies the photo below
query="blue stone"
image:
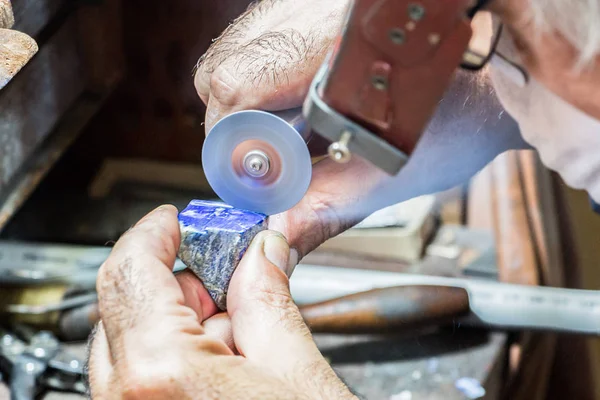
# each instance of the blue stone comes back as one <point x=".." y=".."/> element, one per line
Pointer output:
<point x="214" y="237"/>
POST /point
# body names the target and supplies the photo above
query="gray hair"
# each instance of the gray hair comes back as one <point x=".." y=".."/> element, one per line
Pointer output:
<point x="578" y="21"/>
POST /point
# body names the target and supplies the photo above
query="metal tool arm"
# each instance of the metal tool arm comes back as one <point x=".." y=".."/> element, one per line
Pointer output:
<point x="381" y="84"/>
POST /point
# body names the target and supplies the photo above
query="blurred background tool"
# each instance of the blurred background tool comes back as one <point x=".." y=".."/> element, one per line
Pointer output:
<point x="394" y="309"/>
<point x="39" y="282"/>
<point x="388" y="310"/>
<point x="365" y="298"/>
<point x="41" y="306"/>
<point x="342" y="301"/>
<point x="36" y="362"/>
<point x="48" y="285"/>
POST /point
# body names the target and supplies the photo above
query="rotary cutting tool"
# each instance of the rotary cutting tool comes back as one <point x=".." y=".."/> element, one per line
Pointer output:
<point x="259" y="161"/>
<point x="373" y="97"/>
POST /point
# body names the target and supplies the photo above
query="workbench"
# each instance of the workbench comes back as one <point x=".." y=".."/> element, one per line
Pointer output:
<point x="410" y="365"/>
<point x="425" y="367"/>
<point x="104" y="96"/>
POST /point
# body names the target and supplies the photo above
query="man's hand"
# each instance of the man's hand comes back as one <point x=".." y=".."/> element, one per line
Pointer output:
<point x="266" y="60"/>
<point x="160" y="336"/>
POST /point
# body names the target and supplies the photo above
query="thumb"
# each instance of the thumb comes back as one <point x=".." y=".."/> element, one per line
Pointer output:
<point x="266" y="323"/>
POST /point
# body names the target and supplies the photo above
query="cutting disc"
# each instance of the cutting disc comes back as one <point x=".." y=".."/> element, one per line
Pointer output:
<point x="255" y="160"/>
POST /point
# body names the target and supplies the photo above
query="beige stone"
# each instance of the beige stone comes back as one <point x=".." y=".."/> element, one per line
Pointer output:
<point x="16" y="49"/>
<point x="7" y="18"/>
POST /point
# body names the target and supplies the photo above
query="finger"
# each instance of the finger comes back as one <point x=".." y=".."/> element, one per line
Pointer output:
<point x="261" y="76"/>
<point x="99" y="363"/>
<point x="196" y="296"/>
<point x="339" y="196"/>
<point x="266" y="59"/>
<point x="136" y="287"/>
<point x="221" y="49"/>
<point x="219" y="327"/>
<point x="267" y="325"/>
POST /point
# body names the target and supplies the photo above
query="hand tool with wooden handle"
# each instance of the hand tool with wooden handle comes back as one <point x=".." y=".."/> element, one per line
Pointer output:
<point x="387" y="309"/>
<point x="375" y="311"/>
<point x="492" y="305"/>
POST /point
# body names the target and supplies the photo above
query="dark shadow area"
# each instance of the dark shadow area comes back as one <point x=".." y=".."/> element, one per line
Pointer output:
<point x="396" y="348"/>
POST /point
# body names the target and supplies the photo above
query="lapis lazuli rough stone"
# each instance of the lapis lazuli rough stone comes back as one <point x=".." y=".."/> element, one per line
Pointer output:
<point x="214" y="237"/>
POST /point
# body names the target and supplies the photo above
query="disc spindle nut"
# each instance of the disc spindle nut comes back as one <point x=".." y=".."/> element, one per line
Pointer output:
<point x="256" y="164"/>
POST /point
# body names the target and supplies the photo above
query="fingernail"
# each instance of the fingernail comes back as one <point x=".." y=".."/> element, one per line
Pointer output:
<point x="149" y="216"/>
<point x="292" y="262"/>
<point x="161" y="209"/>
<point x="277" y="251"/>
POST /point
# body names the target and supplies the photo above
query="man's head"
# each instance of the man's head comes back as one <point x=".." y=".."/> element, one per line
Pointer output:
<point x="558" y="43"/>
<point x="557" y="105"/>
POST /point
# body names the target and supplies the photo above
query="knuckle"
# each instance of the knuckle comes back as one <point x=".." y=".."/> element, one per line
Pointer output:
<point x="148" y="382"/>
<point x="112" y="273"/>
<point x="326" y="217"/>
<point x="274" y="298"/>
<point x="105" y="287"/>
<point x="202" y="84"/>
<point x="224" y="87"/>
<point x="105" y="277"/>
<point x="315" y="215"/>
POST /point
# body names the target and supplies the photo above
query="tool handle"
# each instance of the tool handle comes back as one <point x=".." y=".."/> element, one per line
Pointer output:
<point x="77" y="323"/>
<point x="387" y="309"/>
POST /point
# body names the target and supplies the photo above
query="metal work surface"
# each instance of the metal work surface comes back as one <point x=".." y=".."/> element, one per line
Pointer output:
<point x="427" y="366"/>
<point x="399" y="368"/>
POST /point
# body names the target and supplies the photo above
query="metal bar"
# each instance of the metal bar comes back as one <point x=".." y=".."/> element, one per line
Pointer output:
<point x="492" y="304"/>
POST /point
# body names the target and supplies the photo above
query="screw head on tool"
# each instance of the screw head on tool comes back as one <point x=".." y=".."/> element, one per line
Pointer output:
<point x="339" y="150"/>
<point x="397" y="36"/>
<point x="256" y="164"/>
<point x="416" y="12"/>
<point x="379" y="82"/>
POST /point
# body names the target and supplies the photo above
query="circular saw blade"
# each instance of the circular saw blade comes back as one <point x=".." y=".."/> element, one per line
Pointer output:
<point x="290" y="166"/>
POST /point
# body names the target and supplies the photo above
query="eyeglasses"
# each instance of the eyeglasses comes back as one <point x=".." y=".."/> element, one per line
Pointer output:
<point x="483" y="46"/>
<point x="487" y="30"/>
